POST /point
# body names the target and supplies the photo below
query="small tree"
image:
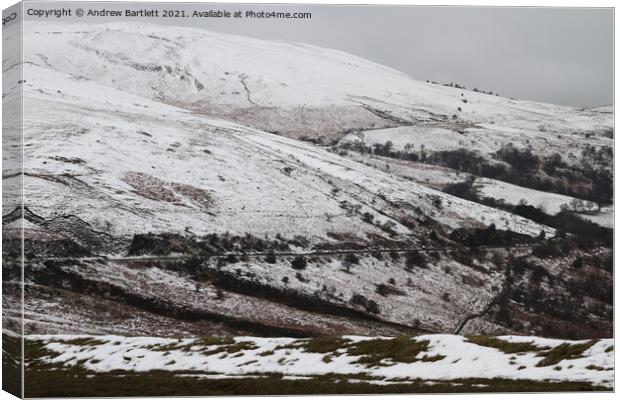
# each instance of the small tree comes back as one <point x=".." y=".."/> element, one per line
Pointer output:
<point x="299" y="262"/>
<point x="270" y="258"/>
<point x="368" y="217"/>
<point x="352" y="258"/>
<point x="387" y="147"/>
<point x="415" y="259"/>
<point x="578" y="263"/>
<point x="372" y="307"/>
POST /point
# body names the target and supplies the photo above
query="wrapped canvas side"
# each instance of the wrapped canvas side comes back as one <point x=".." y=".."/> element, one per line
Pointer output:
<point x="12" y="202"/>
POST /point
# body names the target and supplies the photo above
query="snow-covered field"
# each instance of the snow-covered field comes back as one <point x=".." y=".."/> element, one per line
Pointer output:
<point x="427" y="357"/>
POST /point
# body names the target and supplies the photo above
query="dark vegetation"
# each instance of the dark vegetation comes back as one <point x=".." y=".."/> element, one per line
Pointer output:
<point x="505" y="346"/>
<point x="299" y="262"/>
<point x="370" y="306"/>
<point x="381" y="352"/>
<point x="386" y="290"/>
<point x="384" y="150"/>
<point x="34" y="249"/>
<point x="564" y="351"/>
<point x="458" y="86"/>
<point x="211" y="244"/>
<point x="489" y="236"/>
<point x="551" y="356"/>
<point x="63" y="383"/>
<point x="557" y="304"/>
<point x="590" y="179"/>
<point x="465" y="190"/>
<point x="585" y="234"/>
<point x="415" y="259"/>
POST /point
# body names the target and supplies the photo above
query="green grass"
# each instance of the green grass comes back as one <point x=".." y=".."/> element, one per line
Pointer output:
<point x="562" y="352"/>
<point x="187" y="345"/>
<point x="505" y="346"/>
<point x="378" y="352"/>
<point x="223" y="344"/>
<point x="551" y="356"/>
<point x="374" y="352"/>
<point x="83" y="342"/>
<point x="75" y="383"/>
<point x="322" y="344"/>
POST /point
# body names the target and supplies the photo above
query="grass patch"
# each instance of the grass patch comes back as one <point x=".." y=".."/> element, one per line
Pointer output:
<point x="505" y="346"/>
<point x="380" y="352"/>
<point x="38" y="356"/>
<point x="204" y="346"/>
<point x="322" y="344"/>
<point x="83" y="342"/>
<point x="374" y="352"/>
<point x="59" y="383"/>
<point x="434" y="358"/>
<point x="187" y="346"/>
<point x="562" y="352"/>
<point x="236" y="349"/>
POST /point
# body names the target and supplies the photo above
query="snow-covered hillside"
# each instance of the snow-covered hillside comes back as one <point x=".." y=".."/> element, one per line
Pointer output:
<point x="292" y="88"/>
<point x="187" y="181"/>
<point x="303" y="91"/>
<point x="142" y="166"/>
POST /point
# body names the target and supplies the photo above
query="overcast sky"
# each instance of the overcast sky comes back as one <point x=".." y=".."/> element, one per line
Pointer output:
<point x="555" y="55"/>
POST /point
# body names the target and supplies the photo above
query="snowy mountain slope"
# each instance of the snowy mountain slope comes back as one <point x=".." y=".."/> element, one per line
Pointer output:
<point x="103" y="165"/>
<point x="143" y="167"/>
<point x="151" y="158"/>
<point x="439" y="177"/>
<point x="292" y="88"/>
<point x="485" y="138"/>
